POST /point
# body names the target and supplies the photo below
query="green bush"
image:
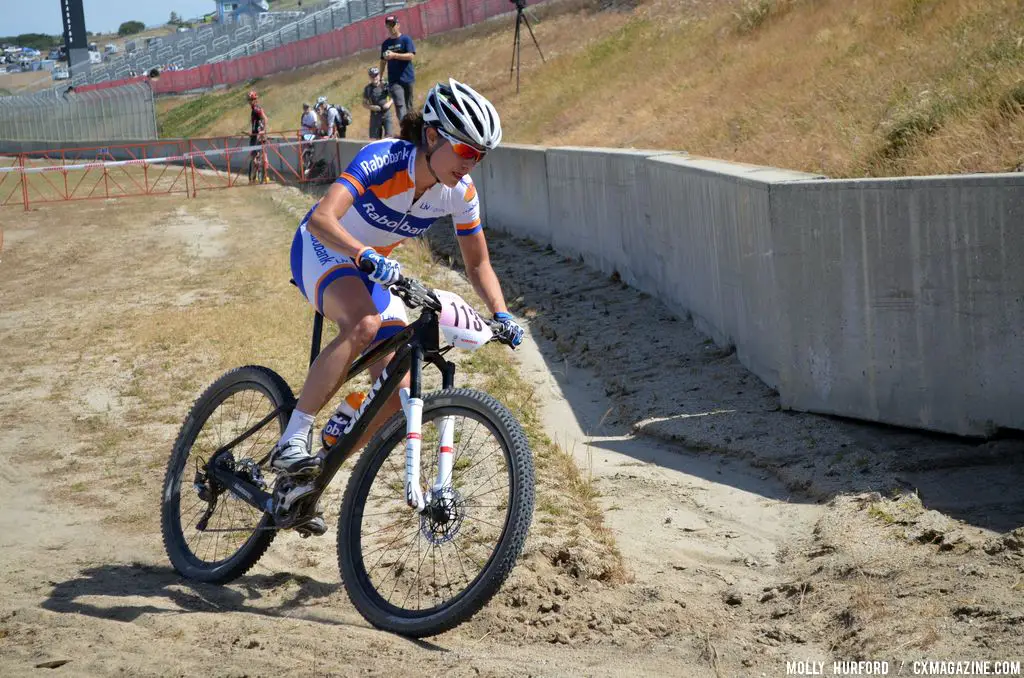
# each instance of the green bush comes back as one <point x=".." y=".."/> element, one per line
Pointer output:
<point x="131" y="28"/>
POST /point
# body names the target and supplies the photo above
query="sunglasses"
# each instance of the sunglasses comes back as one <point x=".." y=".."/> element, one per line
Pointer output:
<point x="463" y="150"/>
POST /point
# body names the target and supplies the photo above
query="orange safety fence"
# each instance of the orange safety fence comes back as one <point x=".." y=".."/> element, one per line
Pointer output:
<point x="179" y="166"/>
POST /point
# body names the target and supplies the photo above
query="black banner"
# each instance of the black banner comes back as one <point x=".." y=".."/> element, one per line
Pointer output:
<point x="73" y="17"/>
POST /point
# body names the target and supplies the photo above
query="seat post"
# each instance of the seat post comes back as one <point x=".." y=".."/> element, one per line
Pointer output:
<point x="318" y="326"/>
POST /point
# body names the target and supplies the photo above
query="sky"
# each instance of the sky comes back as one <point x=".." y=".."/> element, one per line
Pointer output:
<point x="101" y="16"/>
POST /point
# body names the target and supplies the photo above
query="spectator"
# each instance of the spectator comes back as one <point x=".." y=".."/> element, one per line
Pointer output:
<point x="397" y="53"/>
<point x="338" y="118"/>
<point x="321" y="114"/>
<point x="308" y="122"/>
<point x="377" y="100"/>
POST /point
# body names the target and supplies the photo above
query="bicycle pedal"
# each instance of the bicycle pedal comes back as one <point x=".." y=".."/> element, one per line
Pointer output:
<point x="316" y="527"/>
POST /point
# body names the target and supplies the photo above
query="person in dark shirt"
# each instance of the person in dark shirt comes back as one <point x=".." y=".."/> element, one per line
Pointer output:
<point x="377" y="100"/>
<point x="397" y="54"/>
<point x="257" y="126"/>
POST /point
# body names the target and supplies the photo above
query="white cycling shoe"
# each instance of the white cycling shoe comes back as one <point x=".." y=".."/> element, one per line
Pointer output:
<point x="292" y="458"/>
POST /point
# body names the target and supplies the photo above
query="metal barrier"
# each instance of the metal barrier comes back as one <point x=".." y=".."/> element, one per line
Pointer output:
<point x="108" y="115"/>
<point x="180" y="166"/>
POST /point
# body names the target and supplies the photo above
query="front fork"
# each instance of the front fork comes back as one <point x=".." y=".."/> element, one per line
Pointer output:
<point x="413" y="409"/>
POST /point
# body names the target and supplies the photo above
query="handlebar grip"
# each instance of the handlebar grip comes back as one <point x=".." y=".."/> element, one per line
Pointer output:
<point x="365" y="265"/>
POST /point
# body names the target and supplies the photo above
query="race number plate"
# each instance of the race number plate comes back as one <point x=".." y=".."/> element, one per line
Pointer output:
<point x="460" y="324"/>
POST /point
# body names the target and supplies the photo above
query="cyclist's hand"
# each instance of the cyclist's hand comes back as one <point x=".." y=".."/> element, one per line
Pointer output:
<point x="510" y="330"/>
<point x="385" y="271"/>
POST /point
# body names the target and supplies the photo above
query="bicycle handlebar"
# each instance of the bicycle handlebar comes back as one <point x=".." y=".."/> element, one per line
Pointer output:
<point x="414" y="294"/>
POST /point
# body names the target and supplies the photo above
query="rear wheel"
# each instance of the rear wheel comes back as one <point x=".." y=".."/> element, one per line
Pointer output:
<point x="422" y="574"/>
<point x="209" y="534"/>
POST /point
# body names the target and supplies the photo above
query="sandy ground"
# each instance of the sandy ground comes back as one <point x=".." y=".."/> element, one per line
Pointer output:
<point x="752" y="535"/>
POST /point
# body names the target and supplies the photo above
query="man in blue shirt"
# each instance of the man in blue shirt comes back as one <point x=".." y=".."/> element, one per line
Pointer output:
<point x="397" y="53"/>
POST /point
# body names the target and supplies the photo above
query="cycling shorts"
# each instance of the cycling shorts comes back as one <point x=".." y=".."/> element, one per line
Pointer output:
<point x="315" y="266"/>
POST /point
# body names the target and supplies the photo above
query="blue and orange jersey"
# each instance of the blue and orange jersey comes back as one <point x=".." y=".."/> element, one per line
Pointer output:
<point x="381" y="180"/>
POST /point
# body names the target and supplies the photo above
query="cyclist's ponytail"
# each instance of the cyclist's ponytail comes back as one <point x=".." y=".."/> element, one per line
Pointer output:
<point x="412" y="128"/>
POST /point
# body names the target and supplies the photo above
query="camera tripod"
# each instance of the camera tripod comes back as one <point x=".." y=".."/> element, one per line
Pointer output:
<point x="521" y="19"/>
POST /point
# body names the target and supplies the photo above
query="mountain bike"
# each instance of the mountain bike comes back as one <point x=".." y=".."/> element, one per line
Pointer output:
<point x="307" y="155"/>
<point x="424" y="540"/>
<point x="258" y="163"/>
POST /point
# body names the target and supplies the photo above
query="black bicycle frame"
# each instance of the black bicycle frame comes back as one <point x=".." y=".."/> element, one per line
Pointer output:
<point x="413" y="345"/>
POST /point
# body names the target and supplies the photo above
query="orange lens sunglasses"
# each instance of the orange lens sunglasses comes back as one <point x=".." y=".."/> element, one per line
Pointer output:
<point x="463" y="150"/>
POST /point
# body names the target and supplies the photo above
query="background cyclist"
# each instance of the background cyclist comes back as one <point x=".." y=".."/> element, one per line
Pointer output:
<point x="392" y="190"/>
<point x="257" y="126"/>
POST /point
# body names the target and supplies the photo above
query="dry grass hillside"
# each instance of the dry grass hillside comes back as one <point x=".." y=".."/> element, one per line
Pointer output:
<point x="847" y="88"/>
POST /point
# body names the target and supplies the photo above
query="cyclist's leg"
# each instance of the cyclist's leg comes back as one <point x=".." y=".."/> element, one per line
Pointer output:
<point x="333" y="285"/>
<point x="393" y="319"/>
<point x="346" y="301"/>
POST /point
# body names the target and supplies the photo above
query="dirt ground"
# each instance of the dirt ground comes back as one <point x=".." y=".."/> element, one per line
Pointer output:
<point x="751" y="536"/>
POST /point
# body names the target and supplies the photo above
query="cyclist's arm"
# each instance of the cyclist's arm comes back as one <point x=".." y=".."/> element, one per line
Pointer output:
<point x="481" y="273"/>
<point x="325" y="223"/>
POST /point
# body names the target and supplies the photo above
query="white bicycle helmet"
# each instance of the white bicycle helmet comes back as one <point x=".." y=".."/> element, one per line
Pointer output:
<point x="463" y="113"/>
<point x="321" y="101"/>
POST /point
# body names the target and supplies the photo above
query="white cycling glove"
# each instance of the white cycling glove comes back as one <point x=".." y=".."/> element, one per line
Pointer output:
<point x="510" y="330"/>
<point x="385" y="271"/>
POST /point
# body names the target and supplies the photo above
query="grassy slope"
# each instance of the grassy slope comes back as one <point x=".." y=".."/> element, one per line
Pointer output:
<point x="841" y="87"/>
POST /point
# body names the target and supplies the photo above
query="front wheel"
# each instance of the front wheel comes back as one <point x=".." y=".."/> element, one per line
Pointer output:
<point x="422" y="574"/>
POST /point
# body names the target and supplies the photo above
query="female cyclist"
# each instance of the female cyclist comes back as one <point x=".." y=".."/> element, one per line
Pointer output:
<point x="394" y="189"/>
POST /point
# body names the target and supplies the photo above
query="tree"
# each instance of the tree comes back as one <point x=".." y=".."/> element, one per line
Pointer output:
<point x="131" y="28"/>
<point x="175" y="20"/>
<point x="38" y="41"/>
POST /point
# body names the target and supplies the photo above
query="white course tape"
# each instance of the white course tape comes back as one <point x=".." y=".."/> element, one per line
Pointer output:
<point x="153" y="161"/>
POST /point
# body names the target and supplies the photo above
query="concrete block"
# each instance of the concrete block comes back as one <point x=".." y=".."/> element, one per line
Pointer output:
<point x="711" y="251"/>
<point x="513" y="185"/>
<point x="904" y="300"/>
<point x="598" y="207"/>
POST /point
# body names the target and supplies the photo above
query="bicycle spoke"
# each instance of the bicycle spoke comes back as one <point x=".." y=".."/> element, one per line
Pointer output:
<point x="233" y="521"/>
<point x="457" y="549"/>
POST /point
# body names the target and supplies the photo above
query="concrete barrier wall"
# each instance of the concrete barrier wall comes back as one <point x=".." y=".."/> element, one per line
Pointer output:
<point x="514" y="191"/>
<point x="898" y="301"/>
<point x="710" y="248"/>
<point x="904" y="300"/>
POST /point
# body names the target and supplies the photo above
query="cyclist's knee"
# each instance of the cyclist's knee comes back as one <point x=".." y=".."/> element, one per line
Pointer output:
<point x="364" y="330"/>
